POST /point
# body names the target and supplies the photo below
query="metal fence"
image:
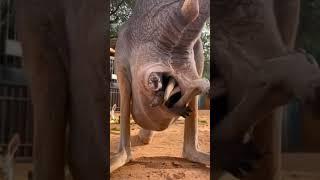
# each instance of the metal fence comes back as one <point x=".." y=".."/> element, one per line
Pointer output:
<point x="15" y="103"/>
<point x="115" y="98"/>
<point x="114" y="88"/>
<point x="16" y="117"/>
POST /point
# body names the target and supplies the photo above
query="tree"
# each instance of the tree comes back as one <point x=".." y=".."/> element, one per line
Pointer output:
<point x="309" y="37"/>
<point x="119" y="14"/>
<point x="205" y="37"/>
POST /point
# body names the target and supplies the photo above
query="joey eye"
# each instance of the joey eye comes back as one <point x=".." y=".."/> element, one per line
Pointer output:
<point x="155" y="81"/>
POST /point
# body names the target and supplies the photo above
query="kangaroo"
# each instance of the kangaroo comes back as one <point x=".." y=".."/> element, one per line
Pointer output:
<point x="7" y="158"/>
<point x="112" y="115"/>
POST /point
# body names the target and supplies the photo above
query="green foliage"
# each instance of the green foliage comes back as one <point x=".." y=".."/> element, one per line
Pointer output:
<point x="205" y="37"/>
<point x="119" y="14"/>
<point x="309" y="36"/>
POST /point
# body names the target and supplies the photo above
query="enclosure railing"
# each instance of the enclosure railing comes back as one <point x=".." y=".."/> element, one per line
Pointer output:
<point x="15" y="102"/>
<point x="114" y="88"/>
<point x="16" y="117"/>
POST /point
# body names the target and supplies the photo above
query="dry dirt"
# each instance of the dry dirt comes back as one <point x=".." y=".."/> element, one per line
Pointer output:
<point x="161" y="159"/>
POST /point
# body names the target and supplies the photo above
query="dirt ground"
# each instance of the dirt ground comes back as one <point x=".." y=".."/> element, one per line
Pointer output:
<point x="295" y="167"/>
<point x="162" y="158"/>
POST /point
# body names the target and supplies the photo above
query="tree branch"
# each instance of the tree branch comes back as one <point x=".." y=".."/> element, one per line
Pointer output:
<point x="117" y="8"/>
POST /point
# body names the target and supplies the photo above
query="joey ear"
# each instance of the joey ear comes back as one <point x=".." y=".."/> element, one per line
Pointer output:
<point x="114" y="107"/>
<point x="190" y="10"/>
<point x="13" y="145"/>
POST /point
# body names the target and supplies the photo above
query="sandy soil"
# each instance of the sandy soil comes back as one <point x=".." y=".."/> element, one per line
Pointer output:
<point x="300" y="166"/>
<point x="162" y="158"/>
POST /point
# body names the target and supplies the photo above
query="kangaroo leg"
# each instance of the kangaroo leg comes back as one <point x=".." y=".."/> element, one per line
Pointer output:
<point x="87" y="89"/>
<point x="267" y="137"/>
<point x="45" y="70"/>
<point x="124" y="153"/>
<point x="190" y="141"/>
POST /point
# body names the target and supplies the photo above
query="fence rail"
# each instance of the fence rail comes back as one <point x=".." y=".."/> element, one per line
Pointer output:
<point x="15" y="102"/>
<point x="114" y="98"/>
<point x="16" y="117"/>
<point x="114" y="89"/>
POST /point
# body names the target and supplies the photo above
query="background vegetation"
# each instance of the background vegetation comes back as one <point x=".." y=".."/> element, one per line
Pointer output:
<point x="309" y="28"/>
